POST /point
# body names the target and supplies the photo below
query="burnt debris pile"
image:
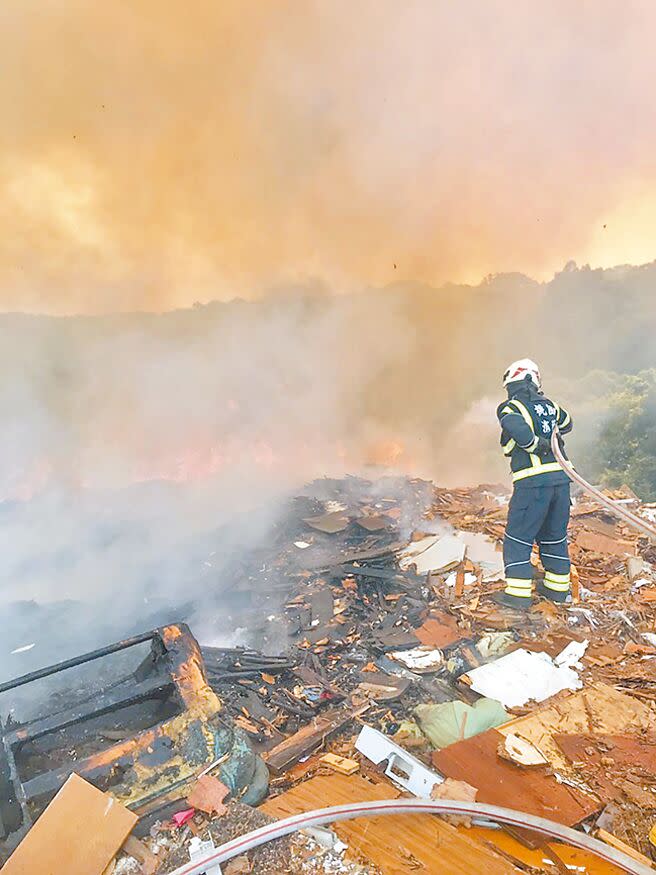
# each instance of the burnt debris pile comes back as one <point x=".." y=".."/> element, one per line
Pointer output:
<point x="358" y="656"/>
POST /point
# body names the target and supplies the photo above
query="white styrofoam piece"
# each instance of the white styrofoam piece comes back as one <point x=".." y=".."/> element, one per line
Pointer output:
<point x="571" y="656"/>
<point x="419" y="658"/>
<point x="470" y="579"/>
<point x="523" y="676"/>
<point x="402" y="768"/>
<point x="433" y="553"/>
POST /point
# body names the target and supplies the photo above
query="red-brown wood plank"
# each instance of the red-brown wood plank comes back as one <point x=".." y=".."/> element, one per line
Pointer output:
<point x="499" y="782"/>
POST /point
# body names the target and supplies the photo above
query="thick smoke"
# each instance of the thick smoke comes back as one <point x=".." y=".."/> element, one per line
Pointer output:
<point x="146" y="457"/>
<point x="138" y="439"/>
<point x="156" y="154"/>
<point x="334" y="164"/>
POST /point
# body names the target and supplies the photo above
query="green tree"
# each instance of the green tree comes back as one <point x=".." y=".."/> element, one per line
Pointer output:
<point x="626" y="449"/>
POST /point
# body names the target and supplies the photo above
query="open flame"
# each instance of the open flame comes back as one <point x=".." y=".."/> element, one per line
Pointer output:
<point x="204" y="458"/>
<point x="386" y="453"/>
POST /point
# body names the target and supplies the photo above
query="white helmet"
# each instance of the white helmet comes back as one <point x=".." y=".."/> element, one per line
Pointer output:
<point x="520" y="370"/>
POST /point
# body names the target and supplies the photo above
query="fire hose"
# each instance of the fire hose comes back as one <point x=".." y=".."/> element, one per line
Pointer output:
<point x="617" y="509"/>
<point x="265" y="834"/>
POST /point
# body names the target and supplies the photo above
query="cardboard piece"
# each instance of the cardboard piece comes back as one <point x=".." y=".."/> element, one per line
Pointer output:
<point x="79" y="833"/>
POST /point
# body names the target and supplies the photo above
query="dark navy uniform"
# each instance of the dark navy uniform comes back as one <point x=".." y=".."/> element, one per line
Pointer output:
<point x="540" y="505"/>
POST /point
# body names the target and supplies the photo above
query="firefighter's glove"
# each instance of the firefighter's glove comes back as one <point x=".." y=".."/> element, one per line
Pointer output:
<point x="543" y="448"/>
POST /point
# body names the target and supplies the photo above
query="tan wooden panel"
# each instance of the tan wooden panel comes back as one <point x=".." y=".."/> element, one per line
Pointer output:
<point x="78" y="834"/>
<point x="597" y="708"/>
<point x="392" y="842"/>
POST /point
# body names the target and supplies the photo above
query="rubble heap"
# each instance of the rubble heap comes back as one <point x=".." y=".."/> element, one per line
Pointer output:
<point x="395" y="673"/>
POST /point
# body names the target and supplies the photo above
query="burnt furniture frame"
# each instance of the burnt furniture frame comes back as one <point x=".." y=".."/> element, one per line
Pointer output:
<point x="151" y="762"/>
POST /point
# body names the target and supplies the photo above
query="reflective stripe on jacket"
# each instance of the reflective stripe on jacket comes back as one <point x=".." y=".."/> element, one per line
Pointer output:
<point x="524" y="417"/>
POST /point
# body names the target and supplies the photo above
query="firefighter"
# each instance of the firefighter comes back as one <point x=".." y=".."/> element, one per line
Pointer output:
<point x="540" y="504"/>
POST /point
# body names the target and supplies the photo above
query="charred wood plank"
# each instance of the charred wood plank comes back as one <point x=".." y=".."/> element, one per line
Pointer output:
<point x="375" y="553"/>
<point x="392" y="574"/>
<point x="306" y="740"/>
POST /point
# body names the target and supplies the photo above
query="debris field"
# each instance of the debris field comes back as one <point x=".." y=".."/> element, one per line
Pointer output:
<point x="378" y="668"/>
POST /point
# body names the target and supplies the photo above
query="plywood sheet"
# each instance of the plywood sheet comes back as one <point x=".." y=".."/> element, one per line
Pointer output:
<point x="599" y="543"/>
<point x="374" y="523"/>
<point x="392" y="842"/>
<point x="597" y="708"/>
<point x="610" y="760"/>
<point x="330" y="523"/>
<point x="79" y="833"/>
<point x="577" y="860"/>
<point x="535" y="791"/>
<point x="633" y="752"/>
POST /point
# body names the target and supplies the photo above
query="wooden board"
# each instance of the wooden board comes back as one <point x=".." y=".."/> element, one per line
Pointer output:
<point x="79" y="833"/>
<point x="598" y="543"/>
<point x="621" y="846"/>
<point x="392" y="842"/>
<point x="610" y="760"/>
<point x="535" y="791"/>
<point x="632" y="752"/>
<point x="343" y="765"/>
<point x="306" y="740"/>
<point x="593" y="524"/>
<point x="597" y="708"/>
<point x="582" y="861"/>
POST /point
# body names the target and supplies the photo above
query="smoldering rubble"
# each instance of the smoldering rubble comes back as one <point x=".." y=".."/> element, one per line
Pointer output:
<point x="377" y="667"/>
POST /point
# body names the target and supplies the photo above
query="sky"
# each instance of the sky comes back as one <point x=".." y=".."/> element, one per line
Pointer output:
<point x="157" y="154"/>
